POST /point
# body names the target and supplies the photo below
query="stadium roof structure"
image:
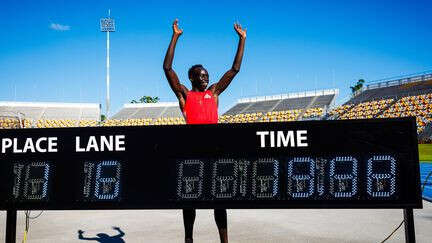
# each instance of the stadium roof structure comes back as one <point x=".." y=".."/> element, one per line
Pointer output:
<point x="396" y="88"/>
<point x="148" y="110"/>
<point x="51" y="110"/>
<point x="291" y="101"/>
<point x="399" y="80"/>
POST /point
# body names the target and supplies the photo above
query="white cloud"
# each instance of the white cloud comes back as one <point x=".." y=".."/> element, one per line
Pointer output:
<point x="59" y="27"/>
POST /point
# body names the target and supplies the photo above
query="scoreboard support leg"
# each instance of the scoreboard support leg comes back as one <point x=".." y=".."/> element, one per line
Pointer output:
<point x="409" y="225"/>
<point x="11" y="219"/>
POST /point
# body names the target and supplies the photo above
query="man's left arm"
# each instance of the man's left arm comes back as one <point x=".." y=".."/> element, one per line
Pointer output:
<point x="120" y="234"/>
<point x="226" y="79"/>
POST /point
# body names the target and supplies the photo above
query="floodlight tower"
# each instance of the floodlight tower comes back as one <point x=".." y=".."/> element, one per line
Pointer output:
<point x="107" y="25"/>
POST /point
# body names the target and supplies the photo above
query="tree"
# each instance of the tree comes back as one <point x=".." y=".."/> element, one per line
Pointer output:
<point x="102" y="117"/>
<point x="146" y="99"/>
<point x="358" y="86"/>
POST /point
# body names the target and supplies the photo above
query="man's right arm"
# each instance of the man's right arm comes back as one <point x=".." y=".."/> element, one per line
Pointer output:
<point x="179" y="90"/>
<point x="120" y="234"/>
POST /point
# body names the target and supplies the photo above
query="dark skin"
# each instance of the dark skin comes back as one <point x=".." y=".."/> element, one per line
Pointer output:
<point x="200" y="77"/>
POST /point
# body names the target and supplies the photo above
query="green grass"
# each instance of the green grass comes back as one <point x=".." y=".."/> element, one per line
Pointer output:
<point x="425" y="152"/>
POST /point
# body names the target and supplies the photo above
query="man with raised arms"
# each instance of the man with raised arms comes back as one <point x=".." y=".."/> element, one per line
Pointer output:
<point x="199" y="106"/>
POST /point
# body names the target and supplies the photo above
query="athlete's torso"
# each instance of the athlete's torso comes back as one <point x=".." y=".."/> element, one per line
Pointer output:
<point x="200" y="108"/>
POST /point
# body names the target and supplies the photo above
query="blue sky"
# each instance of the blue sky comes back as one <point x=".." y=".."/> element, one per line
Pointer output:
<point x="54" y="51"/>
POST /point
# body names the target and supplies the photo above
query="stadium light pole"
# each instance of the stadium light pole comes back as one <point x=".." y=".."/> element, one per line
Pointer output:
<point x="107" y="25"/>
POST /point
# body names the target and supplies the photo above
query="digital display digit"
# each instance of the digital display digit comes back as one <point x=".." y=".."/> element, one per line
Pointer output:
<point x="381" y="176"/>
<point x="31" y="181"/>
<point x="190" y="179"/>
<point x="338" y="164"/>
<point x="265" y="178"/>
<point x="225" y="177"/>
<point x="301" y="177"/>
<point x="343" y="176"/>
<point x="102" y="180"/>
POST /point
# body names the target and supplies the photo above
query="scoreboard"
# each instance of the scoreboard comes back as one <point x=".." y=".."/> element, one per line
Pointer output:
<point x="307" y="164"/>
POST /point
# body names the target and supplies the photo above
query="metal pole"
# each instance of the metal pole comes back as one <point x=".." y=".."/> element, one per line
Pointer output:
<point x="409" y="225"/>
<point x="107" y="25"/>
<point x="108" y="76"/>
<point x="11" y="218"/>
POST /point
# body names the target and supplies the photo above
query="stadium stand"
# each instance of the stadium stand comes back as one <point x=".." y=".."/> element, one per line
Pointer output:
<point x="10" y="122"/>
<point x="44" y="114"/>
<point x="284" y="107"/>
<point x="367" y="109"/>
<point x="409" y="85"/>
<point x="144" y="114"/>
<point x="409" y="95"/>
<point x="340" y="110"/>
<point x="419" y="106"/>
<point x="400" y="97"/>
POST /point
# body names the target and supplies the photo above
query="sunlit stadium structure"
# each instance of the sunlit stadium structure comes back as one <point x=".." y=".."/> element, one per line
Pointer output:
<point x="409" y="95"/>
<point x="294" y="106"/>
<point x="401" y="97"/>
<point x="48" y="114"/>
<point x="284" y="107"/>
<point x="162" y="113"/>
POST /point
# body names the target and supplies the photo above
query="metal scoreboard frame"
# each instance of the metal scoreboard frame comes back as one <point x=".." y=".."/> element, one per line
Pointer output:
<point x="311" y="164"/>
<point x="308" y="164"/>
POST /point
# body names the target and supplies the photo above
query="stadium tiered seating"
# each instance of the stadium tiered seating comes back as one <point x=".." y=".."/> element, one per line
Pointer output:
<point x="272" y="116"/>
<point x="284" y="107"/>
<point x="148" y="110"/>
<point x="224" y="118"/>
<point x="145" y="121"/>
<point x="338" y="111"/>
<point x="8" y="123"/>
<point x="396" y="87"/>
<point x="87" y="123"/>
<point x="419" y="106"/>
<point x="284" y="102"/>
<point x="400" y="97"/>
<point x="241" y="118"/>
<point x="113" y="122"/>
<point x="128" y="122"/>
<point x="50" y="114"/>
<point x="288" y="115"/>
<point x="313" y="113"/>
<point x="294" y="103"/>
<point x="44" y="123"/>
<point x="237" y="108"/>
<point x="51" y="110"/>
<point x="169" y="121"/>
<point x="28" y="123"/>
<point x="366" y="109"/>
<point x="48" y="123"/>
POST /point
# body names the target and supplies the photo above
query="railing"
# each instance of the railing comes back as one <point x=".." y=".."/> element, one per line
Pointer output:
<point x="290" y="95"/>
<point x="394" y="81"/>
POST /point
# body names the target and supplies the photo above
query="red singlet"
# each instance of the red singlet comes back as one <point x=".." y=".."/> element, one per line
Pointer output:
<point x="201" y="108"/>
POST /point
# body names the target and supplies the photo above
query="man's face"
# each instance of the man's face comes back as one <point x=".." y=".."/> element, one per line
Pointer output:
<point x="200" y="79"/>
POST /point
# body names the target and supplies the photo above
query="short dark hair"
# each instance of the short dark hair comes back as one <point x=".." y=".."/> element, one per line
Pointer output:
<point x="192" y="69"/>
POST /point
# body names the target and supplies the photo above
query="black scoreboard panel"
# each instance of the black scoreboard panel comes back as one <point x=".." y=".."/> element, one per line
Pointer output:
<point x="311" y="164"/>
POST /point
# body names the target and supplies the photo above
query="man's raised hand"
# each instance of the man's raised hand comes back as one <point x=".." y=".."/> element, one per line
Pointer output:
<point x="241" y="32"/>
<point x="176" y="30"/>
